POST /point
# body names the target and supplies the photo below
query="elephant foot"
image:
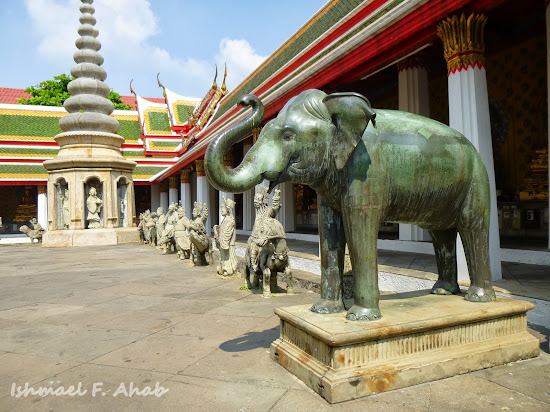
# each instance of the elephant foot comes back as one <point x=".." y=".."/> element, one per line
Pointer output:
<point x="443" y="287"/>
<point x="289" y="291"/>
<point x="328" y="306"/>
<point x="359" y="313"/>
<point x="267" y="294"/>
<point x="479" y="294"/>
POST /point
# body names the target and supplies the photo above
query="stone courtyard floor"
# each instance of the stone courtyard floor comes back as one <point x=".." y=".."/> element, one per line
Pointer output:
<point x="122" y="315"/>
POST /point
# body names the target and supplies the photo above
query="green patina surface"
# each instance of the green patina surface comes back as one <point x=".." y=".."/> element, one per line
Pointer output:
<point x="159" y="122"/>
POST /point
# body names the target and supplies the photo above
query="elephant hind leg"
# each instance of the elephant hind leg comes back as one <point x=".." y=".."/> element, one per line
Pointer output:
<point x="444" y="242"/>
<point x="473" y="227"/>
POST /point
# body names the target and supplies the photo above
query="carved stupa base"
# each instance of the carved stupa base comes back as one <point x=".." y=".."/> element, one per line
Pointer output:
<point x="419" y="339"/>
<point x="90" y="237"/>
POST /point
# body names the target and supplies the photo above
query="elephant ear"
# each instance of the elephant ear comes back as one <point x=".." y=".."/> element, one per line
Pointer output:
<point x="350" y="114"/>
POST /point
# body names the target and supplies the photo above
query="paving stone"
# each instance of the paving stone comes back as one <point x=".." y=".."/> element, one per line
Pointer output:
<point x="193" y="394"/>
<point x="36" y="311"/>
<point x="20" y="368"/>
<point x="110" y="378"/>
<point x="162" y="353"/>
<point x="144" y="321"/>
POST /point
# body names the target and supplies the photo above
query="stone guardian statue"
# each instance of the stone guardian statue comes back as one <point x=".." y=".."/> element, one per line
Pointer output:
<point x="225" y="235"/>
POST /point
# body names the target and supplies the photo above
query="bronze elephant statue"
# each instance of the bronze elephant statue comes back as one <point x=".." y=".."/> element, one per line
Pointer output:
<point x="368" y="166"/>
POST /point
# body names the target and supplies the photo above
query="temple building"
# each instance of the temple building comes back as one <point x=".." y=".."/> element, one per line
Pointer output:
<point x="479" y="66"/>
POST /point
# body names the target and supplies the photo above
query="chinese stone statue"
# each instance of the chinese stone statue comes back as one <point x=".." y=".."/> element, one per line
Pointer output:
<point x="159" y="224"/>
<point x="183" y="243"/>
<point x="267" y="251"/>
<point x="94" y="205"/>
<point x="35" y="233"/>
<point x="225" y="235"/>
<point x="202" y="244"/>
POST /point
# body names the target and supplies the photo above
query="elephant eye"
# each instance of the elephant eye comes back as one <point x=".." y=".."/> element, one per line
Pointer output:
<point x="287" y="135"/>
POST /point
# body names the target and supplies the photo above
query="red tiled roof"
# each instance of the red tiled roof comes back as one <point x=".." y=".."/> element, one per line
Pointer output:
<point x="10" y="96"/>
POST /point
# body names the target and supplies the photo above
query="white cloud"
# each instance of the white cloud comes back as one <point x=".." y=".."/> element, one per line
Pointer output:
<point x="240" y="57"/>
<point x="126" y="32"/>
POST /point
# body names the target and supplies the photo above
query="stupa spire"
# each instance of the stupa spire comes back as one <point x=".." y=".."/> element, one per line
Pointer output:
<point x="88" y="106"/>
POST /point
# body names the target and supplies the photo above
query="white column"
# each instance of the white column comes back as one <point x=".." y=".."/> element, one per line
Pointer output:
<point x="164" y="196"/>
<point x="414" y="98"/>
<point x="185" y="188"/>
<point x="42" y="206"/>
<point x="288" y="207"/>
<point x="173" y="194"/>
<point x="155" y="197"/>
<point x="548" y="86"/>
<point x="469" y="114"/>
<point x="248" y="198"/>
<point x="203" y="191"/>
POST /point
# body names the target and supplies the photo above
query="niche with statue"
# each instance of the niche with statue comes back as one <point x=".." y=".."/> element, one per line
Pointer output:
<point x="62" y="204"/>
<point x="93" y="190"/>
<point x="122" y="201"/>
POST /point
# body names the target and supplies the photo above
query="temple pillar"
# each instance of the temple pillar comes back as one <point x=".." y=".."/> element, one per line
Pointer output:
<point x="173" y="194"/>
<point x="155" y="197"/>
<point x="288" y="209"/>
<point x="203" y="190"/>
<point x="164" y="195"/>
<point x="185" y="189"/>
<point x="228" y="162"/>
<point x="469" y="109"/>
<point x="413" y="98"/>
<point x="42" y="207"/>
<point x="248" y="198"/>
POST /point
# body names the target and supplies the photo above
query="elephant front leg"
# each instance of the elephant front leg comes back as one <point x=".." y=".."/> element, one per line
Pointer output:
<point x="332" y="241"/>
<point x="361" y="225"/>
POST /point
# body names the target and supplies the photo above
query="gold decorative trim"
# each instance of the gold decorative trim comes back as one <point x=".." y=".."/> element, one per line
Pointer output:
<point x="463" y="41"/>
<point x="41" y="189"/>
<point x="185" y="175"/>
<point x="164" y="186"/>
<point x="173" y="182"/>
<point x="256" y="134"/>
<point x="199" y="166"/>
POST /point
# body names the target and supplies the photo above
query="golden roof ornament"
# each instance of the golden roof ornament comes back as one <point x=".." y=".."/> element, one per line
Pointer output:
<point x="224" y="88"/>
<point x="214" y="84"/>
<point x="463" y="41"/>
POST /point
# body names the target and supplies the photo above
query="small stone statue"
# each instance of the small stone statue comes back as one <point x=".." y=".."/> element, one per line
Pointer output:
<point x="225" y="235"/>
<point x="94" y="204"/>
<point x="149" y="228"/>
<point x="160" y="222"/>
<point x="65" y="209"/>
<point x="202" y="243"/>
<point x="267" y="251"/>
<point x="166" y="239"/>
<point x="141" y="227"/>
<point x="35" y="233"/>
<point x="183" y="243"/>
<point x="263" y="210"/>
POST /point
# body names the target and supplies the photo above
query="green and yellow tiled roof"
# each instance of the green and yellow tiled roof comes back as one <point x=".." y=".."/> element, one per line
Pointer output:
<point x="27" y="139"/>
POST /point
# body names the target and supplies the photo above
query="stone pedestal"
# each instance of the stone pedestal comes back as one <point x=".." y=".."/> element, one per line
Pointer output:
<point x="420" y="338"/>
<point x="76" y="238"/>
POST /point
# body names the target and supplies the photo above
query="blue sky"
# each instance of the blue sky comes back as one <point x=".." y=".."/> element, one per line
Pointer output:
<point x="181" y="39"/>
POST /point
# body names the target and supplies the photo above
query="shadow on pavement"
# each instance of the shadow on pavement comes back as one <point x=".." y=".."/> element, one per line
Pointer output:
<point x="251" y="340"/>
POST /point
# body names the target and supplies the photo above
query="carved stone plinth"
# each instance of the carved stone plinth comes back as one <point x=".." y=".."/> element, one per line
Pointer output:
<point x="420" y="338"/>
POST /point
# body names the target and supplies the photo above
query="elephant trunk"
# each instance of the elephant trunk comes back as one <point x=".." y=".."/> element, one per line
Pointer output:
<point x="247" y="174"/>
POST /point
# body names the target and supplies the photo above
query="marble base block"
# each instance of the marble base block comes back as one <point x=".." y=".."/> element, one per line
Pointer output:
<point x="420" y="338"/>
<point x="90" y="237"/>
